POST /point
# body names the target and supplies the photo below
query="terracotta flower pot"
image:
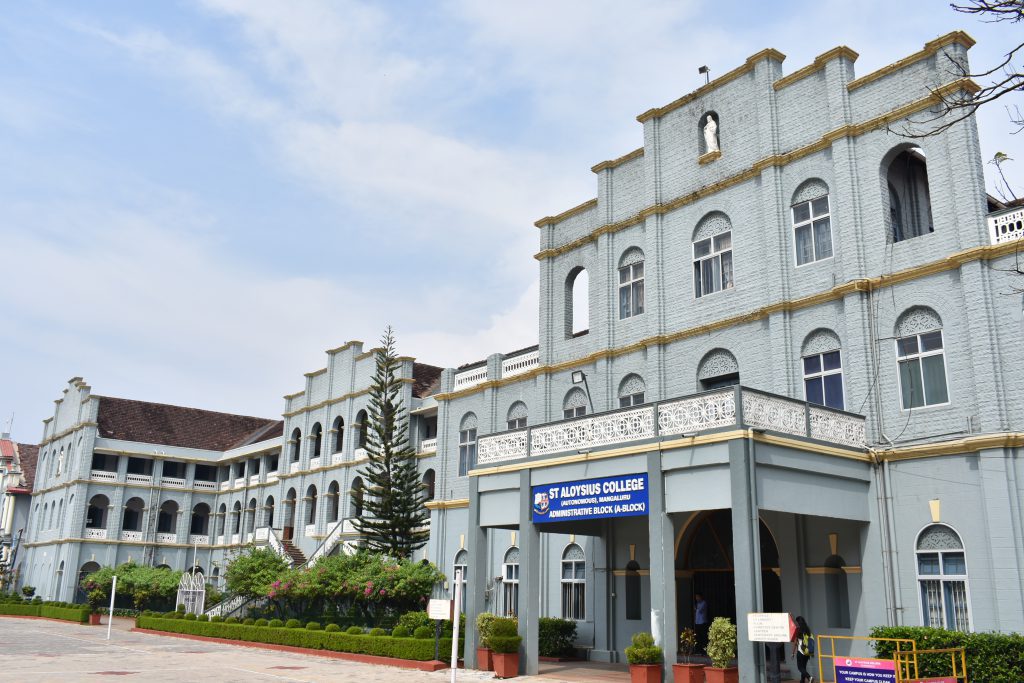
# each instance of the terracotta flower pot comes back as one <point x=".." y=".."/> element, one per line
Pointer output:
<point x="483" y="659"/>
<point x="688" y="673"/>
<point x="645" y="673"/>
<point x="506" y="665"/>
<point x="715" y="675"/>
<point x="94" y="619"/>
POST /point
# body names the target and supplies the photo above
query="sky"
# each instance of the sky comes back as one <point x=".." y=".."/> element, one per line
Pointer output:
<point x="198" y="198"/>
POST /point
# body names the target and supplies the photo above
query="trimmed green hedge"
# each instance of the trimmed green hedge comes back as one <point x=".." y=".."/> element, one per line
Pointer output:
<point x="991" y="657"/>
<point x="76" y="614"/>
<point x="556" y="637"/>
<point x="24" y="609"/>
<point x="382" y="646"/>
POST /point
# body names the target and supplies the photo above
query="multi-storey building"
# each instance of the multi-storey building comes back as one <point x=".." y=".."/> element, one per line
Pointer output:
<point x="772" y="369"/>
<point x="17" y="472"/>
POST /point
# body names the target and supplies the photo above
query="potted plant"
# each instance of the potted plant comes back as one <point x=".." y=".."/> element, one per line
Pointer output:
<point x="687" y="671"/>
<point x="722" y="652"/>
<point x="644" y="659"/>
<point x="504" y="641"/>
<point x="483" y="648"/>
<point x="96" y="598"/>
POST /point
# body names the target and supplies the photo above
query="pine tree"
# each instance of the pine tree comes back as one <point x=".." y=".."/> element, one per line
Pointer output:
<point x="395" y="519"/>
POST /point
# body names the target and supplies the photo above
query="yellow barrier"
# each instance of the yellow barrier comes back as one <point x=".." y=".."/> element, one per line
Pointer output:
<point x="904" y="657"/>
<point x="957" y="664"/>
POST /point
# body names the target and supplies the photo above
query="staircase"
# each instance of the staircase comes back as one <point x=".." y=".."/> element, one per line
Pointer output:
<point x="297" y="557"/>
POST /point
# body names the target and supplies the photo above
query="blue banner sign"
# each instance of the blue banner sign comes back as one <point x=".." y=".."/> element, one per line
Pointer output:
<point x="622" y="496"/>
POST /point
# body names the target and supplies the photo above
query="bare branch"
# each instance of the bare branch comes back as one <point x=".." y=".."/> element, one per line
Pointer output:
<point x="990" y="12"/>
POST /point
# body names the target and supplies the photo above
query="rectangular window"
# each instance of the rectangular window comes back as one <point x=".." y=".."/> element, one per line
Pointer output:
<point x="922" y="370"/>
<point x="631" y="400"/>
<point x="510" y="589"/>
<point x="943" y="580"/>
<point x="467" y="450"/>
<point x="812" y="230"/>
<point x="574" y="590"/>
<point x="823" y="379"/>
<point x="712" y="264"/>
<point x="579" y="411"/>
<point x="631" y="290"/>
<point x="517" y="423"/>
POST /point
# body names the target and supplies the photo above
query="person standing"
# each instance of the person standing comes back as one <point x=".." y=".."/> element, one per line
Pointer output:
<point x="802" y="650"/>
<point x="701" y="622"/>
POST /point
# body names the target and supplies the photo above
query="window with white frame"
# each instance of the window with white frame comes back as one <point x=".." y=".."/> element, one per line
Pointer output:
<point x="631" y="284"/>
<point x="823" y="379"/>
<point x="712" y="264"/>
<point x="631" y="391"/>
<point x="575" y="403"/>
<point x="510" y="583"/>
<point x="461" y="564"/>
<point x="517" y="415"/>
<point x="812" y="228"/>
<point x="574" y="587"/>
<point x="922" y="370"/>
<point x="467" y="443"/>
<point x="942" y="577"/>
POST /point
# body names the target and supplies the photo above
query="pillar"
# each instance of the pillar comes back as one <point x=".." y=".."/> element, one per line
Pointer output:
<point x="529" y="580"/>
<point x="746" y="542"/>
<point x="663" y="565"/>
<point x="476" y="567"/>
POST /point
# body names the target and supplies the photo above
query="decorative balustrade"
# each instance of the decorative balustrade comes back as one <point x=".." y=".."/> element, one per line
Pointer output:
<point x="96" y="534"/>
<point x="220" y="540"/>
<point x="225" y="485"/>
<point x="687" y="416"/>
<point x="517" y="365"/>
<point x="470" y="378"/>
<point x="133" y="536"/>
<point x="239" y="482"/>
<point x="337" y="458"/>
<point x="172" y="482"/>
<point x="314" y="463"/>
<point x="198" y="539"/>
<point x="1006" y="226"/>
<point x="146" y="479"/>
<point x="271" y="477"/>
<point x="428" y="445"/>
<point x="294" y="467"/>
<point x="166" y="538"/>
<point x="205" y="485"/>
<point x="359" y="454"/>
<point x="254" y="479"/>
<point x="102" y="475"/>
<point x="310" y="530"/>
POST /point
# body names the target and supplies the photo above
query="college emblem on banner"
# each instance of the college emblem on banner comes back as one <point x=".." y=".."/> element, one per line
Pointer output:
<point x="541" y="503"/>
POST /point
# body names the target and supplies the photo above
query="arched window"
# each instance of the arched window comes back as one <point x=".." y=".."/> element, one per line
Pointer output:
<point x="268" y="512"/>
<point x="460" y="567"/>
<point x="339" y="434"/>
<point x="574" y="587"/>
<point x="167" y="518"/>
<point x="812" y="223"/>
<point x="921" y="359"/>
<point x="249" y="523"/>
<point x="199" y="525"/>
<point x="289" y="514"/>
<point x="574" y="404"/>
<point x="510" y="582"/>
<point x="631" y="283"/>
<point x="311" y="503"/>
<point x="356" y="497"/>
<point x="133" y="515"/>
<point x="296" y="444"/>
<point x="222" y="515"/>
<point x="318" y="439"/>
<point x="236" y="518"/>
<point x="718" y="369"/>
<point x="823" y="369"/>
<point x="517" y="414"/>
<point x="910" y="207"/>
<point x="362" y="427"/>
<point x="942" y="577"/>
<point x="428" y="485"/>
<point x="577" y="302"/>
<point x="712" y="254"/>
<point x="837" y="594"/>
<point x="467" y="443"/>
<point x="333" y="501"/>
<point x="42" y="520"/>
<point x="631" y="391"/>
<point x="60" y="517"/>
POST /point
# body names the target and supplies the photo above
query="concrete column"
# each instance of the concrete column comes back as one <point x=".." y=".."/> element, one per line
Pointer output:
<point x="663" y="565"/>
<point x="603" y="588"/>
<point x="529" y="580"/>
<point x="476" y="582"/>
<point x="746" y="556"/>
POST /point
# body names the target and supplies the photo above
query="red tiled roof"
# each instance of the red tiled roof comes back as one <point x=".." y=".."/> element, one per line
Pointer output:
<point x="158" y="423"/>
<point x="426" y="379"/>
<point x="28" y="454"/>
<point x="6" y="448"/>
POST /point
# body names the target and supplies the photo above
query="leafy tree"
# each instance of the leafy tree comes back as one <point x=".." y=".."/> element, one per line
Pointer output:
<point x="146" y="586"/>
<point x="252" y="572"/>
<point x="396" y="517"/>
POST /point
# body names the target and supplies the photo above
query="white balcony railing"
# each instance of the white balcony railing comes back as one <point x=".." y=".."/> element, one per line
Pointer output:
<point x="271" y="477"/>
<point x="337" y="458"/>
<point x="220" y="539"/>
<point x="102" y="475"/>
<point x="294" y="467"/>
<point x="96" y="534"/>
<point x="172" y="482"/>
<point x="236" y="539"/>
<point x="198" y="539"/>
<point x="591" y="432"/>
<point x="1006" y="226"/>
<point x="133" y="536"/>
<point x="146" y="479"/>
<point x="359" y="454"/>
<point x="254" y="479"/>
<point x="239" y="482"/>
<point x="428" y="445"/>
<point x="310" y="530"/>
<point x="470" y="378"/>
<point x="517" y="365"/>
<point x="205" y="485"/>
<point x="314" y="463"/>
<point x="166" y="538"/>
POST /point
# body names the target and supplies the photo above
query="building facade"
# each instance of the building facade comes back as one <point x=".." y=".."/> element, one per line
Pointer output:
<point x="784" y="322"/>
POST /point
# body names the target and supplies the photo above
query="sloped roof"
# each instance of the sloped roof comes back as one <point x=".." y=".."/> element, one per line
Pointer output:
<point x="28" y="454"/>
<point x="426" y="379"/>
<point x="158" y="423"/>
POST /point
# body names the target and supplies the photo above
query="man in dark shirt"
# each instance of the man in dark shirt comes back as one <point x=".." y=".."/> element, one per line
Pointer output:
<point x="701" y="623"/>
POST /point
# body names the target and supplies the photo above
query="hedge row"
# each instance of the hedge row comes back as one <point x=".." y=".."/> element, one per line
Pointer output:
<point x="337" y="641"/>
<point x="77" y="614"/>
<point x="991" y="657"/>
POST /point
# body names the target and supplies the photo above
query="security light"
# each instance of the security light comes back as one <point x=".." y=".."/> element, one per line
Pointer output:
<point x="707" y="73"/>
<point x="578" y="377"/>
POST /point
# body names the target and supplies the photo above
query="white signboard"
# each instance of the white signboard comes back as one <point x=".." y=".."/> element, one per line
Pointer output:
<point x="770" y="627"/>
<point x="440" y="609"/>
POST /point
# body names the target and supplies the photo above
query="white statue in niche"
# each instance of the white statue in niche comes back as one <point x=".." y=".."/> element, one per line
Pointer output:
<point x="711" y="135"/>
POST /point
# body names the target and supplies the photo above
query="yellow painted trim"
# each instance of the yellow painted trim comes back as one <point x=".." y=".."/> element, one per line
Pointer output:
<point x="343" y="347"/>
<point x="369" y="353"/>
<point x="776" y="160"/>
<point x="930" y="48"/>
<point x="66" y="432"/>
<point x="832" y="570"/>
<point x="316" y="372"/>
<point x="289" y="397"/>
<point x="326" y="402"/>
<point x="814" y="447"/>
<point x="970" y="444"/>
<point x="585" y="206"/>
<point x="626" y="572"/>
<point x="817" y="65"/>
<point x="709" y="157"/>
<point x="729" y="77"/>
<point x="980" y="253"/>
<point x="447" y="504"/>
<point x="636" y="153"/>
